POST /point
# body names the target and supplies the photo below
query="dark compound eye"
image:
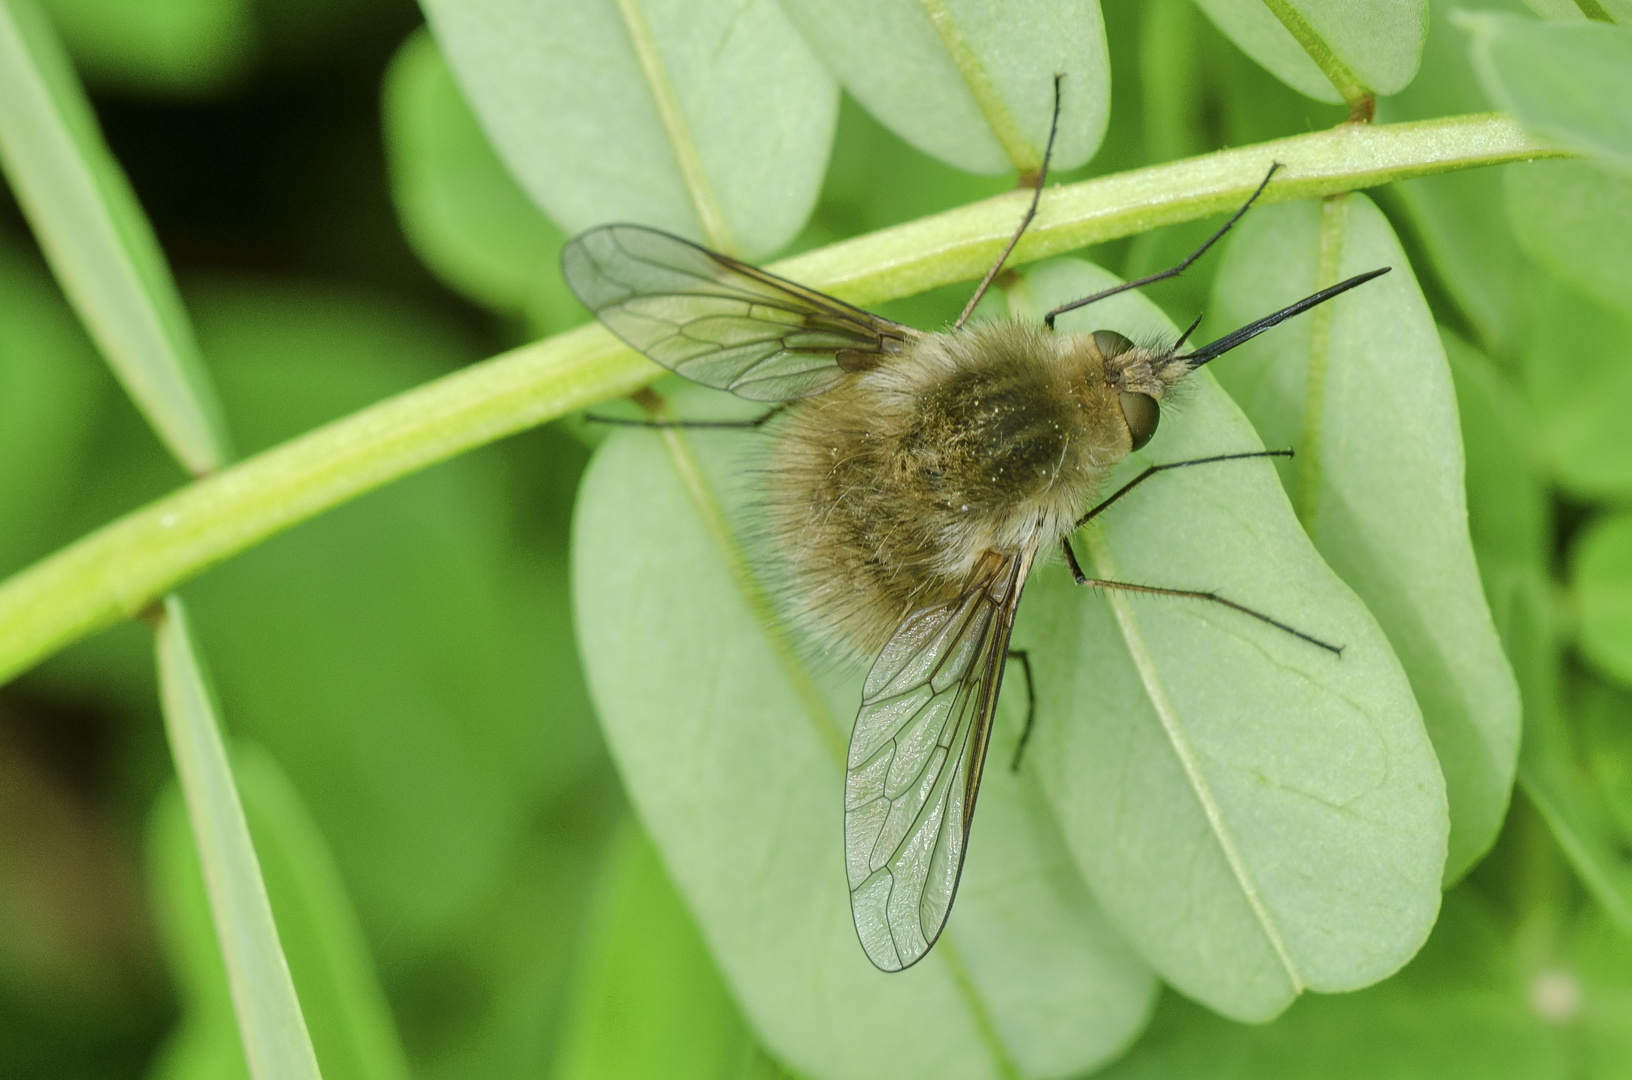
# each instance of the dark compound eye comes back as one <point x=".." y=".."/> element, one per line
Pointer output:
<point x="1110" y="343"/>
<point x="1142" y="415"/>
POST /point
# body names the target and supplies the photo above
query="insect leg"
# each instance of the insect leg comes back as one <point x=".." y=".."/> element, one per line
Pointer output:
<point x="1031" y="706"/>
<point x="1101" y="583"/>
<point x="1154" y="469"/>
<point x="1031" y="212"/>
<point x="1172" y="271"/>
<point x="620" y="421"/>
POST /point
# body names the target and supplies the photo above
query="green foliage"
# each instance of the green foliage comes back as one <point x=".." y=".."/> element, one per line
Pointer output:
<point x="159" y="46"/>
<point x="464" y="214"/>
<point x="648" y="1001"/>
<point x="1207" y="803"/>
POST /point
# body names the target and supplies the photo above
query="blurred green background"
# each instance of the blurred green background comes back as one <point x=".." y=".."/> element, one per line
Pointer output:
<point x="443" y="835"/>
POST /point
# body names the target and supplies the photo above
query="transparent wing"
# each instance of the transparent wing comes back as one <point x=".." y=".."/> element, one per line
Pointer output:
<point x="721" y="322"/>
<point x="915" y="760"/>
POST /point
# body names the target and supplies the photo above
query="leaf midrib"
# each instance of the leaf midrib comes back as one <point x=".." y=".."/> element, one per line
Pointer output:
<point x="1021" y="153"/>
<point x="675" y="128"/>
<point x="1150" y="677"/>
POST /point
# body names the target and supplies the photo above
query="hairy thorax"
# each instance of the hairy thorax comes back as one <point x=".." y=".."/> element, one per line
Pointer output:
<point x="888" y="488"/>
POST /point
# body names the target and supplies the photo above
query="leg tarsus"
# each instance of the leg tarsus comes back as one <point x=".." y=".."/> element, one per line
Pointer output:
<point x="1154" y="469"/>
<point x="1031" y="212"/>
<point x="1031" y="707"/>
<point x="1210" y="597"/>
<point x="620" y="421"/>
<point x="1174" y="271"/>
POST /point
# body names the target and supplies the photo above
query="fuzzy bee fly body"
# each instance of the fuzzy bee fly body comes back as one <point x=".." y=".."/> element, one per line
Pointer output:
<point x="891" y="486"/>
<point x="915" y="478"/>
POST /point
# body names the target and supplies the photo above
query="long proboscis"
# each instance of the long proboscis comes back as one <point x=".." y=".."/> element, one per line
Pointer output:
<point x="1251" y="330"/>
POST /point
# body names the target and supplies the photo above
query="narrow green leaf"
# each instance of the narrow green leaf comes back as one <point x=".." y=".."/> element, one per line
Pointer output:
<point x="1568" y="82"/>
<point x="731" y="749"/>
<point x="1548" y="775"/>
<point x="270" y="1025"/>
<point x="1575" y="218"/>
<point x="1330" y="50"/>
<point x="100" y="245"/>
<point x="710" y="119"/>
<point x="989" y="69"/>
<point x="1258" y="816"/>
<point x="1601" y="583"/>
<point x="1580" y="824"/>
<point x="351" y="1026"/>
<point x="1579" y="386"/>
<point x="464" y="214"/>
<point x="163" y="47"/>
<point x="1360" y="389"/>
<point x="1606" y="728"/>
<point x="649" y="1001"/>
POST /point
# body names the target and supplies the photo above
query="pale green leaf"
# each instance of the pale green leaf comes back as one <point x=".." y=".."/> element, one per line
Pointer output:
<point x="971" y="82"/>
<point x="731" y="750"/>
<point x="1376" y="46"/>
<point x="1361" y="390"/>
<point x="464" y="214"/>
<point x="270" y="1025"/>
<point x="1575" y="218"/>
<point x="711" y="118"/>
<point x="1578" y="383"/>
<point x="648" y="1000"/>
<point x="1569" y="82"/>
<point x="1257" y="815"/>
<point x="99" y="244"/>
<point x="351" y="1026"/>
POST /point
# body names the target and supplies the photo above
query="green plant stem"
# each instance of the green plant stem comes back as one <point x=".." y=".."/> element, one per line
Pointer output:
<point x="123" y="567"/>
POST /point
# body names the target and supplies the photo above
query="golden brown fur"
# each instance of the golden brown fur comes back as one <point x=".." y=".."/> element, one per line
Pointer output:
<point x="887" y="489"/>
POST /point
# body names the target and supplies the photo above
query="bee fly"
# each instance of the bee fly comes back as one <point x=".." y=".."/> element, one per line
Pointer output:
<point x="915" y="478"/>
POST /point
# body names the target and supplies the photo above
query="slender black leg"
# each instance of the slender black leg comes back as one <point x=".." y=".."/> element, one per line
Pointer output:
<point x="1171" y="271"/>
<point x="1031" y="706"/>
<point x="1154" y="469"/>
<point x="620" y="421"/>
<point x="1031" y="212"/>
<point x="1101" y="583"/>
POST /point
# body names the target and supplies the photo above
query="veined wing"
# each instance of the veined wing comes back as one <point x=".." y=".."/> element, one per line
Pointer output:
<point x="915" y="760"/>
<point x="721" y="322"/>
